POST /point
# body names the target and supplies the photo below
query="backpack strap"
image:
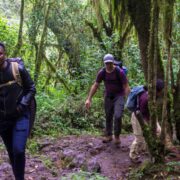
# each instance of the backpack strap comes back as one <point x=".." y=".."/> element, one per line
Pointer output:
<point x="16" y="73"/>
<point x="8" y="83"/>
<point x="137" y="105"/>
<point x="118" y="71"/>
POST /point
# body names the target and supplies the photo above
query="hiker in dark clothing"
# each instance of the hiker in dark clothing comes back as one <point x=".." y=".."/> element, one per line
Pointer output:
<point x="116" y="87"/>
<point x="14" y="111"/>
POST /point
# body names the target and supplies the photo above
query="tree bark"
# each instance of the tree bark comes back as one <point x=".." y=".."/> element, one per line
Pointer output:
<point x="176" y="105"/>
<point x="41" y="47"/>
<point x="20" y="34"/>
<point x="139" y="12"/>
<point x="152" y="78"/>
<point x="60" y="79"/>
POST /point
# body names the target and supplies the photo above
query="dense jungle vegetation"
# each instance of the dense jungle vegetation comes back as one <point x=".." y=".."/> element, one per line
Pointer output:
<point x="62" y="43"/>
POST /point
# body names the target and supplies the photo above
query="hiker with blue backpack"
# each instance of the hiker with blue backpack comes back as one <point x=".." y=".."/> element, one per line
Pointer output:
<point x="16" y="92"/>
<point x="137" y="101"/>
<point x="116" y="87"/>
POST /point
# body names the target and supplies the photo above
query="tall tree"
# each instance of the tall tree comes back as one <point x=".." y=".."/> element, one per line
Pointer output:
<point x="106" y="23"/>
<point x="39" y="56"/>
<point x="20" y="34"/>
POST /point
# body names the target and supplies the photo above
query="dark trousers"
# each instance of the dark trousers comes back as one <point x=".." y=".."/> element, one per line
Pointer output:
<point x="15" y="139"/>
<point x="114" y="107"/>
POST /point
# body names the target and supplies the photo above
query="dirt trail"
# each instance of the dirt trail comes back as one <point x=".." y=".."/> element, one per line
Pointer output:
<point x="59" y="157"/>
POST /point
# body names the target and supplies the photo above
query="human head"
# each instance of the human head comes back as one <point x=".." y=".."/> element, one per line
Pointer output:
<point x="117" y="62"/>
<point x="159" y="86"/>
<point x="2" y="53"/>
<point x="108" y="58"/>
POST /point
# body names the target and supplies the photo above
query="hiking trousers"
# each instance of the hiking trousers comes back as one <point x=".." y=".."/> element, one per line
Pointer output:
<point x="114" y="108"/>
<point x="139" y="144"/>
<point x="15" y="139"/>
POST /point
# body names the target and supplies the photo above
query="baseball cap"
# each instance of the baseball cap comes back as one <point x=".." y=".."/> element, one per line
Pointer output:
<point x="108" y="58"/>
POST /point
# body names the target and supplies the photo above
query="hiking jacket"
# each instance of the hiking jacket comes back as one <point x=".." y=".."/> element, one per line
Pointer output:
<point x="13" y="96"/>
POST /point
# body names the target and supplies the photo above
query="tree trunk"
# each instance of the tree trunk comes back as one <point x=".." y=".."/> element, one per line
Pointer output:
<point x="152" y="78"/>
<point x="19" y="42"/>
<point x="176" y="105"/>
<point x="60" y="79"/>
<point x="140" y="15"/>
<point x="39" y="56"/>
<point x="168" y="19"/>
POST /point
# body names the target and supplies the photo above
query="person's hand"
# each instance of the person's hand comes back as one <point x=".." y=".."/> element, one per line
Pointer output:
<point x="20" y="108"/>
<point x="88" y="104"/>
<point x="158" y="129"/>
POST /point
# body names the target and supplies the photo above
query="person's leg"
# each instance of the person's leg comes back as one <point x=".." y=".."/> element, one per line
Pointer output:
<point x="139" y="143"/>
<point x="108" y="105"/>
<point x="7" y="139"/>
<point x="20" y="135"/>
<point x="118" y="112"/>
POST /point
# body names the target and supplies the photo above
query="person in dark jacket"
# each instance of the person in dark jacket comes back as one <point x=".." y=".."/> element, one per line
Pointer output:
<point x="14" y="112"/>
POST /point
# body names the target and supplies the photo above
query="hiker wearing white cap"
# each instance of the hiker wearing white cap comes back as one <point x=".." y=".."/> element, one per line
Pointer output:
<point x="116" y="87"/>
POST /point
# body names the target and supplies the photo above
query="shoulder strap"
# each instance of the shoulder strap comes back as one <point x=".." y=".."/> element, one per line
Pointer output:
<point x="104" y="73"/>
<point x="118" y="71"/>
<point x="16" y="73"/>
<point x="7" y="84"/>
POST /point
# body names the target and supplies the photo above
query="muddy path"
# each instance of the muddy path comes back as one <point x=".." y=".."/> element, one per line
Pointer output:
<point x="57" y="158"/>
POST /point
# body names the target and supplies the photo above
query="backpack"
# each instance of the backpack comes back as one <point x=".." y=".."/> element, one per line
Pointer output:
<point x="15" y="71"/>
<point x="119" y="64"/>
<point x="132" y="103"/>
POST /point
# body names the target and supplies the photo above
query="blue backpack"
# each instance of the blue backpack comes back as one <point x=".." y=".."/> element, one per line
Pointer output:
<point x="132" y="100"/>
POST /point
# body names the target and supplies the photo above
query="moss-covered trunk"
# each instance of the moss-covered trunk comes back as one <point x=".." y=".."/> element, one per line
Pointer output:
<point x="153" y="52"/>
<point x="20" y="34"/>
<point x="176" y="105"/>
<point x="140" y="15"/>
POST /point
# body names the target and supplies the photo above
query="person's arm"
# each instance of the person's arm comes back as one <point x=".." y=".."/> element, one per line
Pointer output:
<point x="92" y="91"/>
<point x="125" y="83"/>
<point x="126" y="89"/>
<point x="29" y="89"/>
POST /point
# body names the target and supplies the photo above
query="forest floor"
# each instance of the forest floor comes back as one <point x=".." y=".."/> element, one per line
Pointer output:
<point x="56" y="159"/>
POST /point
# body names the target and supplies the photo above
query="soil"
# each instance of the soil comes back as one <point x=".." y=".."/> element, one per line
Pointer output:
<point x="57" y="158"/>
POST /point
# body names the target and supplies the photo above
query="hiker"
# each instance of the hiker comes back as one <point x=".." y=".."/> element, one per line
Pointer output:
<point x="14" y="111"/>
<point x="139" y="145"/>
<point x="116" y="87"/>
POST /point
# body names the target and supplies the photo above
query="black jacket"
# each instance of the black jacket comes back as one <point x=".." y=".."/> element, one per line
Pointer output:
<point x="14" y="95"/>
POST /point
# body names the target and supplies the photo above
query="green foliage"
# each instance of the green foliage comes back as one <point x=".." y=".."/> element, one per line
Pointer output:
<point x="33" y="146"/>
<point x="156" y="171"/>
<point x="60" y="114"/>
<point x="82" y="175"/>
<point x="8" y="34"/>
<point x="131" y="59"/>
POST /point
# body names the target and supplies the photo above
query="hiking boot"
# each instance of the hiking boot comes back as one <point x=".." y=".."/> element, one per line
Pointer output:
<point x="117" y="140"/>
<point x="136" y="160"/>
<point x="107" y="139"/>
